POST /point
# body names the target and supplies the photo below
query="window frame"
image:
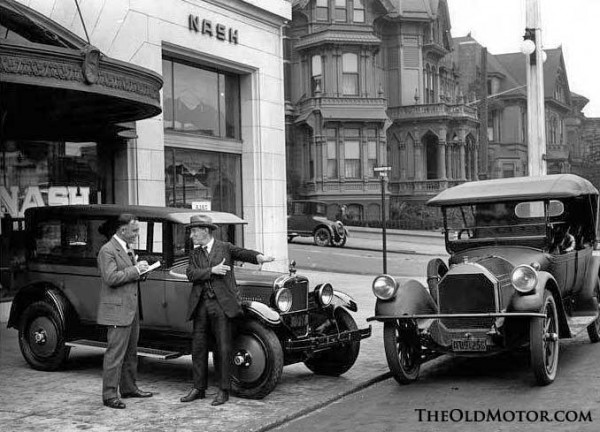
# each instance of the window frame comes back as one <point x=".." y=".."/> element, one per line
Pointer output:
<point x="350" y="74"/>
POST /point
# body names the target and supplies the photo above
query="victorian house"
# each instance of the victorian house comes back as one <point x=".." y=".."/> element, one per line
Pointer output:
<point x="373" y="83"/>
<point x="504" y="105"/>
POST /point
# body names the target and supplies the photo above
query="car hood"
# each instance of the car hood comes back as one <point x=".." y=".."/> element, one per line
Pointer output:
<point x="514" y="255"/>
<point x="243" y="275"/>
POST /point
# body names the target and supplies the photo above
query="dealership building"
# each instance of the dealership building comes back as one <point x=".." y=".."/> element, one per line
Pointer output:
<point x="170" y="102"/>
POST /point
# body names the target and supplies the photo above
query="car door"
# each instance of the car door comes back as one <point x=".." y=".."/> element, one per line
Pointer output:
<point x="149" y="247"/>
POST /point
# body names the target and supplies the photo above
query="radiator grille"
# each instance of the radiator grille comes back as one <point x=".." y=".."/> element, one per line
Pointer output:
<point x="299" y="290"/>
<point x="467" y="293"/>
<point x="297" y="317"/>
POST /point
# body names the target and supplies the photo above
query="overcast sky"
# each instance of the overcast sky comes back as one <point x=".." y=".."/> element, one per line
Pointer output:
<point x="499" y="25"/>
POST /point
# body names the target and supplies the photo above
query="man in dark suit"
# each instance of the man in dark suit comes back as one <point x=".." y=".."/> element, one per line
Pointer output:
<point x="119" y="310"/>
<point x="214" y="302"/>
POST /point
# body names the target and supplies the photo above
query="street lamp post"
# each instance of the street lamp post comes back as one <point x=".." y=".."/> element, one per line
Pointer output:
<point x="383" y="172"/>
<point x="536" y="132"/>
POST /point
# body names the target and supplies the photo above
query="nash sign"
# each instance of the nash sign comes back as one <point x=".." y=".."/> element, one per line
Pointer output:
<point x="56" y="195"/>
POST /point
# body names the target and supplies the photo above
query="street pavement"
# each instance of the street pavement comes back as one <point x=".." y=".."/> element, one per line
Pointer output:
<point x="429" y="243"/>
<point x="70" y="399"/>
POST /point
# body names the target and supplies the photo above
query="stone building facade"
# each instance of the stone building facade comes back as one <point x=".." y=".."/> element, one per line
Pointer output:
<point x="218" y="143"/>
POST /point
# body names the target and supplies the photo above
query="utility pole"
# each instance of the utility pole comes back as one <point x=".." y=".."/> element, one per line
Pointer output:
<point x="536" y="123"/>
<point x="383" y="172"/>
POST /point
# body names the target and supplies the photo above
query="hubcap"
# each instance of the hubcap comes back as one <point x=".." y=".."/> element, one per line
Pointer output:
<point x="43" y="337"/>
<point x="250" y="359"/>
<point x="40" y="337"/>
<point x="242" y="358"/>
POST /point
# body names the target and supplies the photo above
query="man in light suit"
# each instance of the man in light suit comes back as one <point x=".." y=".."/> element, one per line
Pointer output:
<point x="214" y="302"/>
<point x="119" y="310"/>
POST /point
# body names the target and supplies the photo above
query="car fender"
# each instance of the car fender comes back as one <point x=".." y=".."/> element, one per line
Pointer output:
<point x="341" y="299"/>
<point x="411" y="298"/>
<point x="41" y="291"/>
<point x="324" y="225"/>
<point x="262" y="312"/>
<point x="585" y="298"/>
<point x="534" y="302"/>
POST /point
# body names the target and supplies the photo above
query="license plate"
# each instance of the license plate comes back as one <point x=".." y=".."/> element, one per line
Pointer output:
<point x="468" y="345"/>
<point x="298" y="320"/>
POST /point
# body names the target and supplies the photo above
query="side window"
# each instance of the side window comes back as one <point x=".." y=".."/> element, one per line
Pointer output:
<point x="75" y="241"/>
<point x="47" y="238"/>
<point x="157" y="240"/>
<point x="141" y="244"/>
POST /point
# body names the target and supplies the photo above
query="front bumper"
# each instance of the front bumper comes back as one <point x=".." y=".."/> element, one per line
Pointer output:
<point x="462" y="315"/>
<point x="326" y="341"/>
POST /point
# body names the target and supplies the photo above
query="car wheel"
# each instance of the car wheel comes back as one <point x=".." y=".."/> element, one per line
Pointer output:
<point x="340" y="242"/>
<point x="322" y="237"/>
<point x="402" y="350"/>
<point x="339" y="359"/>
<point x="257" y="361"/>
<point x="544" y="342"/>
<point x="41" y="337"/>
<point x="594" y="328"/>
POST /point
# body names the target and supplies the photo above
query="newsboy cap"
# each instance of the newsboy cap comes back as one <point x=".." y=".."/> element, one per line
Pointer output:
<point x="202" y="221"/>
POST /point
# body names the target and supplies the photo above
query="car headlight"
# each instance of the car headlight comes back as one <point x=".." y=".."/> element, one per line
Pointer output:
<point x="524" y="278"/>
<point x="324" y="294"/>
<point x="283" y="299"/>
<point x="384" y="287"/>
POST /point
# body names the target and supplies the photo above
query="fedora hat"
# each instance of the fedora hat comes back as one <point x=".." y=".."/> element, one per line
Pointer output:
<point x="202" y="221"/>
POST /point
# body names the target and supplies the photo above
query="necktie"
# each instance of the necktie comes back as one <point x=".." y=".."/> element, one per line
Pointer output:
<point x="131" y="256"/>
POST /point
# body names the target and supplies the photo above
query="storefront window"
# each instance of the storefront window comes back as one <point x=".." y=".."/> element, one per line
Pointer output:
<point x="41" y="173"/>
<point x="200" y="100"/>
<point x="38" y="173"/>
<point x="203" y="180"/>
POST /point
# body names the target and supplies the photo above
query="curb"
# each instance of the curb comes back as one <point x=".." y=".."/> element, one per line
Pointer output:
<point x="432" y="234"/>
<point x="397" y="251"/>
<point x="279" y="422"/>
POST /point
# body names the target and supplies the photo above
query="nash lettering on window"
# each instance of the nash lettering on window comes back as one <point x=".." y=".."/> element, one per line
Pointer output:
<point x="11" y="204"/>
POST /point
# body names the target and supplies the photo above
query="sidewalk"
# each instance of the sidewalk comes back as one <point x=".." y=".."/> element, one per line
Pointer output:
<point x="70" y="400"/>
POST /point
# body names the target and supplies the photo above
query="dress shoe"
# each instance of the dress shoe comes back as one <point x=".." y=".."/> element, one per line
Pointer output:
<point x="193" y="395"/>
<point x="137" y="393"/>
<point x="114" y="403"/>
<point x="221" y="397"/>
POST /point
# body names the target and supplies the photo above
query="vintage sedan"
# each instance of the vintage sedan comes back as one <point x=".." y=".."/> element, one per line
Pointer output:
<point x="308" y="218"/>
<point x="285" y="320"/>
<point x="523" y="272"/>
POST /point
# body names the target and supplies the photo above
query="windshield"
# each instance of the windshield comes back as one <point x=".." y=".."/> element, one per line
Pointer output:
<point x="504" y="220"/>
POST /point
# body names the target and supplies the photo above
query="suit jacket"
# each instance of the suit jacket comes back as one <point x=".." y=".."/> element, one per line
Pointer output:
<point x="224" y="287"/>
<point x="119" y="292"/>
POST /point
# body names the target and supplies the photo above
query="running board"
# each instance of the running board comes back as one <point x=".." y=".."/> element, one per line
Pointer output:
<point x="142" y="352"/>
<point x="577" y="324"/>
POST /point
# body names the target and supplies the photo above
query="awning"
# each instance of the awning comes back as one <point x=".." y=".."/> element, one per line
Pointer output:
<point x="56" y="86"/>
<point x="344" y="113"/>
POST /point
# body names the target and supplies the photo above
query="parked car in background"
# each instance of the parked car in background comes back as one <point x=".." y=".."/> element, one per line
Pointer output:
<point x="309" y="219"/>
<point x="286" y="320"/>
<point x="523" y="272"/>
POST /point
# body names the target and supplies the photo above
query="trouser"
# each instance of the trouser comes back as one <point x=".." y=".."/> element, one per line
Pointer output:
<point x="209" y="319"/>
<point x="120" y="359"/>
